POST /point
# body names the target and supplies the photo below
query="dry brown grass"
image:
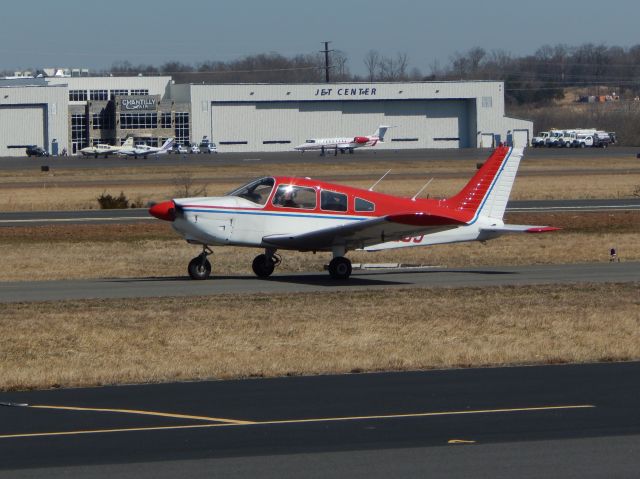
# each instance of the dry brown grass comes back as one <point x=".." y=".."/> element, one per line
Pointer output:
<point x="81" y="343"/>
<point x="64" y="252"/>
<point x="541" y="179"/>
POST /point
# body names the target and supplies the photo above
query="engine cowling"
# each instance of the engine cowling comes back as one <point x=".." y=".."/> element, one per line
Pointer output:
<point x="164" y="211"/>
<point x="360" y="139"/>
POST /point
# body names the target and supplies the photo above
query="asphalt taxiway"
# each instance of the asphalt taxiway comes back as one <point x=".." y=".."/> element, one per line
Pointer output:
<point x="284" y="157"/>
<point x="420" y="277"/>
<point x="553" y="421"/>
<point x="141" y="215"/>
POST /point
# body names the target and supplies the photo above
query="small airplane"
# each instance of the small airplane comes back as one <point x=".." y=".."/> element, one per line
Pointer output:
<point x="285" y="213"/>
<point x="343" y="144"/>
<point x="106" y="149"/>
<point x="145" y="150"/>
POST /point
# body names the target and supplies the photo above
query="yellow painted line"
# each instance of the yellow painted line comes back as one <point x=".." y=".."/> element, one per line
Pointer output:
<point x="427" y="414"/>
<point x="144" y="413"/>
<point x="104" y="431"/>
<point x="233" y="423"/>
<point x="460" y="441"/>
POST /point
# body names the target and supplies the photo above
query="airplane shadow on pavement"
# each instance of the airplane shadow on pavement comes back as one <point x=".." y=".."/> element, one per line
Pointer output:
<point x="358" y="279"/>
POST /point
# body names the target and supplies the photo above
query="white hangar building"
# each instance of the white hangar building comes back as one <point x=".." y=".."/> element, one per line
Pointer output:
<point x="260" y="117"/>
<point x="70" y="113"/>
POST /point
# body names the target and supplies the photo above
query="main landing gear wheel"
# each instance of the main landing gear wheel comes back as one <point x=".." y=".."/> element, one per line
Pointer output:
<point x="263" y="265"/>
<point x="200" y="267"/>
<point x="340" y="268"/>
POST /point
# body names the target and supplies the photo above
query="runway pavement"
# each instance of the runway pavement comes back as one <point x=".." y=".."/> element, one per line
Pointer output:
<point x="554" y="421"/>
<point x="140" y="215"/>
<point x="319" y="282"/>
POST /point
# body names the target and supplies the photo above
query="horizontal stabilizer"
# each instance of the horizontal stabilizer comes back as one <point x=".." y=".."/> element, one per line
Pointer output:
<point x="519" y="229"/>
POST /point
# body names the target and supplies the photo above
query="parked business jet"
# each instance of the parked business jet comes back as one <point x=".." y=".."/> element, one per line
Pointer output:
<point x="284" y="213"/>
<point x="145" y="150"/>
<point x="106" y="149"/>
<point x="343" y="144"/>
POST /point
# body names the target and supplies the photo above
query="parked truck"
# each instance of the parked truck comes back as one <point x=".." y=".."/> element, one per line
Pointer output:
<point x="598" y="139"/>
<point x="540" y="140"/>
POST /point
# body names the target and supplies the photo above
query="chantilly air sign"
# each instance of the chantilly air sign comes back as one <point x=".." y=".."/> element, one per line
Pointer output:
<point x="146" y="103"/>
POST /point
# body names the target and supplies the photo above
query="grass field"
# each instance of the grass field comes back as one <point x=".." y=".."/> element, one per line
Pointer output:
<point x="81" y="343"/>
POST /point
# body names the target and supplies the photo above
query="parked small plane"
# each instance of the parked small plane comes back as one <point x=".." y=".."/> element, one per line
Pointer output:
<point x="343" y="144"/>
<point x="106" y="149"/>
<point x="284" y="213"/>
<point x="145" y="150"/>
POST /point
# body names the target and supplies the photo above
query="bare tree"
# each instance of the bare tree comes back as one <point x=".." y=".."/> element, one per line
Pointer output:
<point x="372" y="62"/>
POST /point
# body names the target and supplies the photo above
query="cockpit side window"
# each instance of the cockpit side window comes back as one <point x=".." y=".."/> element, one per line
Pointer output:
<point x="332" y="201"/>
<point x="292" y="196"/>
<point x="257" y="191"/>
<point x="364" y="205"/>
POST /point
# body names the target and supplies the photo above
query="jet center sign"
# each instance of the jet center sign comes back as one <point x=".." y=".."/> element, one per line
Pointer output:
<point x="138" y="103"/>
<point x="346" y="91"/>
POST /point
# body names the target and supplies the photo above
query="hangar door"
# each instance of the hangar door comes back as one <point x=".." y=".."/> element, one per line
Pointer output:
<point x="278" y="126"/>
<point x="21" y="125"/>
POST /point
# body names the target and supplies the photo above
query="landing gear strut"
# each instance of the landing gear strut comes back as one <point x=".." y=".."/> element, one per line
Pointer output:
<point x="264" y="264"/>
<point x="200" y="267"/>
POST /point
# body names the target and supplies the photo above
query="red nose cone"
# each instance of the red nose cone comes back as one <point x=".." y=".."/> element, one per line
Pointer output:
<point x="164" y="211"/>
<point x="361" y="139"/>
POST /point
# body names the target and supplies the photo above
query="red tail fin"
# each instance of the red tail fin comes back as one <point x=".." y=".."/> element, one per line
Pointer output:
<point x="490" y="187"/>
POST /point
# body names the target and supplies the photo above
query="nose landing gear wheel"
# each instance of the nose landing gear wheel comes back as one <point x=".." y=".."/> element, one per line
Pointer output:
<point x="263" y="266"/>
<point x="340" y="268"/>
<point x="199" y="267"/>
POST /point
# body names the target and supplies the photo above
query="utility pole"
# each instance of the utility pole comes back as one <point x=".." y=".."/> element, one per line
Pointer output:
<point x="326" y="60"/>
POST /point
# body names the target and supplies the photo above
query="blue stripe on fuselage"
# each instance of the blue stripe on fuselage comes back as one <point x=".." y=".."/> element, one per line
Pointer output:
<point x="269" y="213"/>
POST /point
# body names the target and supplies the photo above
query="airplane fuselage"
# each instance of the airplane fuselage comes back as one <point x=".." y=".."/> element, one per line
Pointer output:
<point x="233" y="220"/>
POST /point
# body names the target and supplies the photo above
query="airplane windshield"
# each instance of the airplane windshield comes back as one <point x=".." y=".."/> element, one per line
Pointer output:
<point x="257" y="191"/>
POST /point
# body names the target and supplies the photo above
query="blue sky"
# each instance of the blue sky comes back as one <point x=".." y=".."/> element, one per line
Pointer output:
<point x="78" y="33"/>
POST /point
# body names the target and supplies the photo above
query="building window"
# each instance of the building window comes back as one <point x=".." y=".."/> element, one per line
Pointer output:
<point x="140" y="92"/>
<point x="404" y="139"/>
<point x="138" y="121"/>
<point x="239" y="142"/>
<point x="487" y="102"/>
<point x="77" y="95"/>
<point x="165" y="120"/>
<point x="182" y="128"/>
<point x="118" y="93"/>
<point x="79" y="131"/>
<point x="101" y="141"/>
<point x="276" y="142"/>
<point x="99" y="95"/>
<point x="102" y="121"/>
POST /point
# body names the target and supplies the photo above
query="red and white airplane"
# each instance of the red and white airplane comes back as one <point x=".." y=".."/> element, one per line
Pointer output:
<point x="343" y="144"/>
<point x="284" y="213"/>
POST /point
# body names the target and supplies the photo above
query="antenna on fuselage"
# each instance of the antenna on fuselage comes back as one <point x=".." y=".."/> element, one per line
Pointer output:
<point x="376" y="183"/>
<point x="421" y="189"/>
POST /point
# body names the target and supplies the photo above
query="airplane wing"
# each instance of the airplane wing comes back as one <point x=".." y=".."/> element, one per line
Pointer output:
<point x="358" y="234"/>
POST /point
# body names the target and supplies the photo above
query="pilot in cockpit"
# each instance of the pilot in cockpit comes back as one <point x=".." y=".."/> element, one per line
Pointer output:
<point x="286" y="197"/>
